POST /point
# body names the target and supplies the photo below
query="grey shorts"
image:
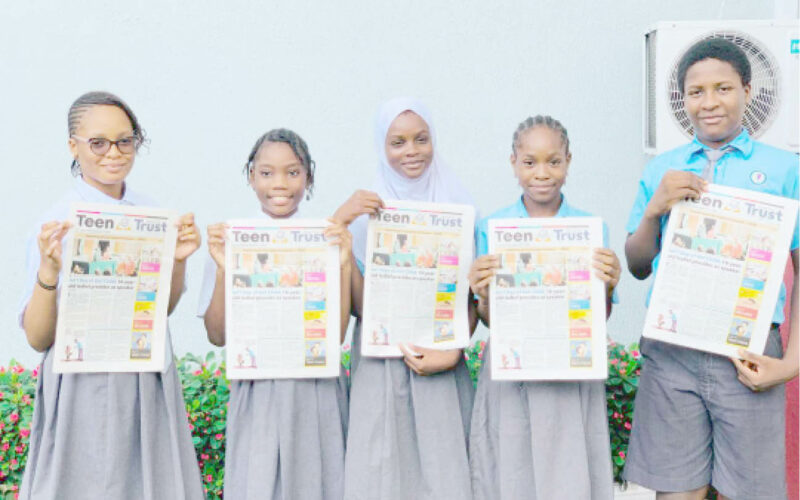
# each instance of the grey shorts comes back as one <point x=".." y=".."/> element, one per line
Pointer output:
<point x="695" y="424"/>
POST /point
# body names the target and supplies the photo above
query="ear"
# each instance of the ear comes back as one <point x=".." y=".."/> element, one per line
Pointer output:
<point x="747" y="94"/>
<point x="73" y="148"/>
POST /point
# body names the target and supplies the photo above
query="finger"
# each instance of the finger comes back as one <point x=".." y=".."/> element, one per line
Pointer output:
<point x="751" y="357"/>
<point x="407" y="352"/>
<point x="423" y="351"/>
<point x="412" y="367"/>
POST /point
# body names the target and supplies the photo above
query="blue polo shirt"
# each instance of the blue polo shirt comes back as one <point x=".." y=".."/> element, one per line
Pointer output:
<point x="518" y="210"/>
<point x="748" y="164"/>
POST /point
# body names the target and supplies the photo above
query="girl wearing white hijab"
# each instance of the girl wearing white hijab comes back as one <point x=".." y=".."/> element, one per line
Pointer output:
<point x="409" y="417"/>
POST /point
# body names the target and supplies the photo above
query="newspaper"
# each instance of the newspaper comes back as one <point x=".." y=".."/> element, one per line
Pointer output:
<point x="112" y="311"/>
<point x="722" y="263"/>
<point x="282" y="309"/>
<point x="548" y="309"/>
<point x="415" y="280"/>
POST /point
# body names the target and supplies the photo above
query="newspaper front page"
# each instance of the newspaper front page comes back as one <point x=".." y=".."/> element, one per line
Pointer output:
<point x="722" y="263"/>
<point x="112" y="311"/>
<point x="282" y="317"/>
<point x="415" y="278"/>
<point x="548" y="309"/>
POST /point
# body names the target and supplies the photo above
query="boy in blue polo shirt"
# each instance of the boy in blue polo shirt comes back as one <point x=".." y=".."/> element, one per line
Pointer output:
<point x="701" y="418"/>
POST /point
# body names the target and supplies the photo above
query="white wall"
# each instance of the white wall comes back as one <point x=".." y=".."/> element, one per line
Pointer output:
<point x="206" y="81"/>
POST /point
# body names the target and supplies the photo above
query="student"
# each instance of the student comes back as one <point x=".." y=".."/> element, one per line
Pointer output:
<point x="285" y="438"/>
<point x="701" y="418"/>
<point x="409" y="417"/>
<point x="539" y="439"/>
<point x="102" y="435"/>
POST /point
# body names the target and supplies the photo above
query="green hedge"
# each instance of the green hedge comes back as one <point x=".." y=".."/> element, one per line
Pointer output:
<point x="205" y="391"/>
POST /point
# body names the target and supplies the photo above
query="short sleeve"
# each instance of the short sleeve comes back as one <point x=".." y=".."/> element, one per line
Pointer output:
<point x="481" y="240"/>
<point x="643" y="195"/>
<point x="614" y="296"/>
<point x="207" y="287"/>
<point x="794" y="193"/>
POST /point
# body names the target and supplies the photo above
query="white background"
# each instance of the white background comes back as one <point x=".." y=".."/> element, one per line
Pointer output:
<point x="207" y="78"/>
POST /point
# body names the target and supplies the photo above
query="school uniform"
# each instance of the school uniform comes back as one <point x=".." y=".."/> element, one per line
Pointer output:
<point x="694" y="422"/>
<point x="538" y="440"/>
<point x="284" y="438"/>
<point x="106" y="435"/>
<point x="407" y="433"/>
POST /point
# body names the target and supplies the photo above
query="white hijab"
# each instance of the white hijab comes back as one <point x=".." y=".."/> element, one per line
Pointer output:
<point x="436" y="184"/>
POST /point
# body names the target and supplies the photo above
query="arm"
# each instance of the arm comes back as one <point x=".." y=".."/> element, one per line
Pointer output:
<point x="337" y="234"/>
<point x="356" y="288"/>
<point x="642" y="246"/>
<point x="188" y="242"/>
<point x="759" y="372"/>
<point x="481" y="273"/>
<point x="39" y="320"/>
<point x="607" y="268"/>
<point x="214" y="318"/>
<point x="360" y="203"/>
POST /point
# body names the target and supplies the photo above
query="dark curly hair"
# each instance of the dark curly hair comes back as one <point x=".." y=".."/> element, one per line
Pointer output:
<point x="714" y="48"/>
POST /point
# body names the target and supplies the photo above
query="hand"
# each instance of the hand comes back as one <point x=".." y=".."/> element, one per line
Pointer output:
<point x="675" y="186"/>
<point x="216" y="243"/>
<point x="429" y="361"/>
<point x="50" y="249"/>
<point x="360" y="203"/>
<point x="337" y="234"/>
<point x="481" y="273"/>
<point x="606" y="267"/>
<point x="760" y="373"/>
<point x="188" y="237"/>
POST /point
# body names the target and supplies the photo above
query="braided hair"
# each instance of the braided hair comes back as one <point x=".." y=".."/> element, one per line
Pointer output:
<point x="99" y="98"/>
<point x="535" y="121"/>
<point x="295" y="142"/>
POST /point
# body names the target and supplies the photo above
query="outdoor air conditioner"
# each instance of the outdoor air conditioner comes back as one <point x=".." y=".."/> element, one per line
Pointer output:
<point x="773" y="50"/>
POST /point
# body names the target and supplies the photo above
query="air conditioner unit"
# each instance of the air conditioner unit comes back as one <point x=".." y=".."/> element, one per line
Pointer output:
<point x="773" y="50"/>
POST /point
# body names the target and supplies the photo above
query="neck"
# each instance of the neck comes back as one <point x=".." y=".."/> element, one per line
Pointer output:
<point x="113" y="190"/>
<point x="718" y="144"/>
<point x="536" y="209"/>
<point x="273" y="216"/>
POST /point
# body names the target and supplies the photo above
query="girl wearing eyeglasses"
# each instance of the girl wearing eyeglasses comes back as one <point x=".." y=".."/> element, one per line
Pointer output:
<point x="102" y="435"/>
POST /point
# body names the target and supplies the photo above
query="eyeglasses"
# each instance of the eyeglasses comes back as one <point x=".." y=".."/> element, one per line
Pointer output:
<point x="101" y="145"/>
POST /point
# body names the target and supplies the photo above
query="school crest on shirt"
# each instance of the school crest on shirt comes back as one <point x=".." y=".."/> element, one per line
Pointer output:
<point x="758" y="177"/>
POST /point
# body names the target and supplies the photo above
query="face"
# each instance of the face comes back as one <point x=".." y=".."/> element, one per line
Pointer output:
<point x="540" y="165"/>
<point x="715" y="101"/>
<point x="279" y="179"/>
<point x="105" y="172"/>
<point x="409" y="149"/>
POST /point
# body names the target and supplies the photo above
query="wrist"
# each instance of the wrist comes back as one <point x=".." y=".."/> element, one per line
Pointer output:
<point x="47" y="274"/>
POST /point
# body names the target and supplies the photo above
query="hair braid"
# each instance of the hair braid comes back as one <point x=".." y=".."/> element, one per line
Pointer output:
<point x="535" y="121"/>
<point x="295" y="142"/>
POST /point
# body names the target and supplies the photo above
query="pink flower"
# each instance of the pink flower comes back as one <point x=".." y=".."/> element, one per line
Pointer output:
<point x="197" y="372"/>
<point x="346" y="347"/>
<point x="623" y="364"/>
<point x="2" y="425"/>
<point x="6" y="446"/>
<point x="2" y="369"/>
<point x="635" y="353"/>
<point x="35" y="372"/>
<point x="480" y="355"/>
<point x="19" y="449"/>
<point x="17" y="369"/>
<point x="628" y="425"/>
<point x="24" y="432"/>
<point x="622" y="454"/>
<point x="217" y="372"/>
<point x="204" y="456"/>
<point x="219" y="437"/>
<point x="13" y="461"/>
<point x="614" y="362"/>
<point x="347" y="372"/>
<point x="208" y="478"/>
<point x="615" y="415"/>
<point x="191" y="427"/>
<point x="26" y="399"/>
<point x="13" y="417"/>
